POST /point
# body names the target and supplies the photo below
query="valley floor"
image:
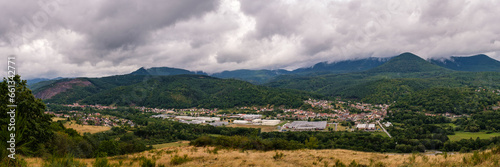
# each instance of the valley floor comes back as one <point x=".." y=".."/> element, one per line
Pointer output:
<point x="200" y="156"/>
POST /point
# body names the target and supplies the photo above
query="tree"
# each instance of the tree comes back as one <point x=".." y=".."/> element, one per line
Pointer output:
<point x="312" y="142"/>
<point x="32" y="125"/>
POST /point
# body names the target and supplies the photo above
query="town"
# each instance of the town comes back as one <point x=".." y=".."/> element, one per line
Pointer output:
<point x="318" y="115"/>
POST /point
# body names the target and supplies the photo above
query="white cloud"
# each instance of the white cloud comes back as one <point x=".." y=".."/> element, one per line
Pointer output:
<point x="97" y="38"/>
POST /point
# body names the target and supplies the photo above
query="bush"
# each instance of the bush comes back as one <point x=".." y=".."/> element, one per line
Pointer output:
<point x="145" y="162"/>
<point x="65" y="161"/>
<point x="177" y="160"/>
<point x="101" y="162"/>
<point x="278" y="156"/>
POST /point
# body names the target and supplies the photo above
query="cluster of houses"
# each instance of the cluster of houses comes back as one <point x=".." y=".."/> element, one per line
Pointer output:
<point x="97" y="106"/>
<point x="93" y="119"/>
<point x="154" y="110"/>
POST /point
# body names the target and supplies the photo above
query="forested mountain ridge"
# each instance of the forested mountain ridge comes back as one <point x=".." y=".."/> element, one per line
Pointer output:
<point x="184" y="91"/>
<point x="164" y="71"/>
<point x="403" y="76"/>
<point x="345" y="66"/>
<point x="406" y="63"/>
<point x="479" y="62"/>
<point x="177" y="91"/>
<point x="398" y="77"/>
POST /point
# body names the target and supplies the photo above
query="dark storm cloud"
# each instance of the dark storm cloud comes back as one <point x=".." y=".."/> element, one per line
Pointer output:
<point x="124" y="25"/>
<point x="96" y="37"/>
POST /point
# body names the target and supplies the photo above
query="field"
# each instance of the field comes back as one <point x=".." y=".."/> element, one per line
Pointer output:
<point x="468" y="135"/>
<point x="206" y="156"/>
<point x="262" y="128"/>
<point x="86" y="128"/>
<point x="173" y="144"/>
<point x="55" y="119"/>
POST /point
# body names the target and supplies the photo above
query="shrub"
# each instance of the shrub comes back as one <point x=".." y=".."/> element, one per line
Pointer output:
<point x="146" y="162"/>
<point x="278" y="156"/>
<point x="101" y="162"/>
<point x="177" y="160"/>
<point x="67" y="160"/>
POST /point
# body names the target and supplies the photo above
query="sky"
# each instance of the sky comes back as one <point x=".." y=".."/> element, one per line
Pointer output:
<point x="95" y="38"/>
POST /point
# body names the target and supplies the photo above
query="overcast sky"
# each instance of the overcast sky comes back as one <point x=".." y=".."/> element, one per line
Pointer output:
<point x="92" y="38"/>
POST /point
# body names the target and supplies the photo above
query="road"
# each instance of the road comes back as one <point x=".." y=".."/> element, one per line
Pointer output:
<point x="384" y="129"/>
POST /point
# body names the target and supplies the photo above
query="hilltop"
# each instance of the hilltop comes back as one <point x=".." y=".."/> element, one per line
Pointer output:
<point x="406" y="63"/>
<point x="473" y="63"/>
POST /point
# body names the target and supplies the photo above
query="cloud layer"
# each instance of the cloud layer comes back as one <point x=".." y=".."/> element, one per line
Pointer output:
<point x="95" y="38"/>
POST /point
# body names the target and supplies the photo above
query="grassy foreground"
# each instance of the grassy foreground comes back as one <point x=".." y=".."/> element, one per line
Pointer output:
<point x="209" y="156"/>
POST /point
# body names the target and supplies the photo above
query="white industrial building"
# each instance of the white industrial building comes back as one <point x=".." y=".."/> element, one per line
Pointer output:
<point x="251" y="116"/>
<point x="218" y="124"/>
<point x="270" y="122"/>
<point x="305" y="125"/>
<point x="257" y="121"/>
<point x="240" y="122"/>
<point x="206" y="119"/>
<point x="365" y="126"/>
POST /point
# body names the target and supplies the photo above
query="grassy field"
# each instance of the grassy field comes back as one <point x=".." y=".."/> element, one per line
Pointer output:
<point x="205" y="156"/>
<point x="173" y="144"/>
<point x="55" y="119"/>
<point x="86" y="128"/>
<point x="261" y="127"/>
<point x="468" y="135"/>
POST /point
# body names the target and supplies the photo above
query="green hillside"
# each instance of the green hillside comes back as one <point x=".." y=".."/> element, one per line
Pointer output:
<point x="252" y="76"/>
<point x="185" y="91"/>
<point x="473" y="63"/>
<point x="164" y="71"/>
<point x="179" y="91"/>
<point x="406" y="63"/>
<point x="345" y="66"/>
<point x="393" y="81"/>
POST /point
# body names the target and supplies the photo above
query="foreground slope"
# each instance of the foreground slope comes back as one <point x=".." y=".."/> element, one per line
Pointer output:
<point x="204" y="156"/>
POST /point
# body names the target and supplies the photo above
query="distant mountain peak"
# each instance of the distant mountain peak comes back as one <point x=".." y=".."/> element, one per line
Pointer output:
<point x="140" y="71"/>
<point x="164" y="71"/>
<point x="478" y="62"/>
<point x="406" y="62"/>
<point x="344" y="66"/>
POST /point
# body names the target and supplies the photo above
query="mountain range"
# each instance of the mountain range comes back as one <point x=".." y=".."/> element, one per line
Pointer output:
<point x="374" y="80"/>
<point x="475" y="63"/>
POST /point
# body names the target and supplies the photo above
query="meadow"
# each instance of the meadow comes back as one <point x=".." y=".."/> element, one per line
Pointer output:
<point x="81" y="129"/>
<point x="474" y="135"/>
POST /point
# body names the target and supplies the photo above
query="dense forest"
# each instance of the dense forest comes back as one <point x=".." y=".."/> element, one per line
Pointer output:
<point x="180" y="91"/>
<point x="186" y="91"/>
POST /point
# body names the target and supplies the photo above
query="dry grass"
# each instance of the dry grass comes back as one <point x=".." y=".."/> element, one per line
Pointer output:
<point x="204" y="157"/>
<point x="173" y="144"/>
<point x="86" y="128"/>
<point x="55" y="119"/>
<point x="263" y="128"/>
